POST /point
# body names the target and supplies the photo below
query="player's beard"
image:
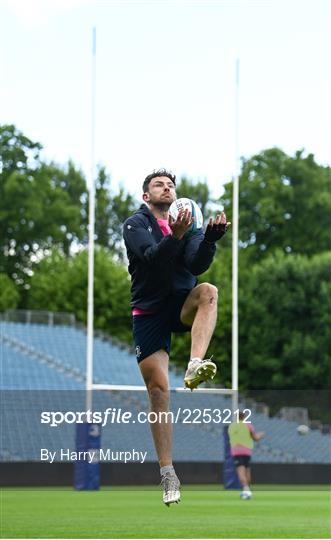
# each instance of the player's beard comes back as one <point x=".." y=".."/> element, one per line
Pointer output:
<point x="162" y="206"/>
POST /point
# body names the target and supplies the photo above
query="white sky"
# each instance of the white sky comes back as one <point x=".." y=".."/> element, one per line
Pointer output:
<point x="166" y="82"/>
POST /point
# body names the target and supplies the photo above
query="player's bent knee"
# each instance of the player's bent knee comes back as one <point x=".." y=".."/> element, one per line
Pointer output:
<point x="208" y="293"/>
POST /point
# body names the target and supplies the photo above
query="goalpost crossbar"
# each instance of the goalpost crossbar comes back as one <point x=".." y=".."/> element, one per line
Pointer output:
<point x="127" y="387"/>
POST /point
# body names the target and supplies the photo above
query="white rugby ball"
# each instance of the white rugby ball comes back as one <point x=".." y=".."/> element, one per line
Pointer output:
<point x="182" y="204"/>
<point x="303" y="429"/>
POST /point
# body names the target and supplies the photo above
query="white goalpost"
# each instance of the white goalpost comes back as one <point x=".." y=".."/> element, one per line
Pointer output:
<point x="90" y="286"/>
<point x="90" y="386"/>
<point x="235" y="225"/>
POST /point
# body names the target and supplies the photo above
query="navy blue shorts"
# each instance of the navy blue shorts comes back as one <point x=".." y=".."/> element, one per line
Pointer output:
<point x="242" y="460"/>
<point x="153" y="332"/>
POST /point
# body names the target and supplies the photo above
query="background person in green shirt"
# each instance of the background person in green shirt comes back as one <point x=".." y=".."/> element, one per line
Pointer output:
<point x="242" y="436"/>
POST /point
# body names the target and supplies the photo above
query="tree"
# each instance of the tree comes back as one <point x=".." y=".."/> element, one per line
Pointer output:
<point x="8" y="293"/>
<point x="285" y="203"/>
<point x="102" y="208"/>
<point x="285" y="314"/>
<point x="45" y="206"/>
<point x="111" y="211"/>
<point x="17" y="152"/>
<point x="40" y="205"/>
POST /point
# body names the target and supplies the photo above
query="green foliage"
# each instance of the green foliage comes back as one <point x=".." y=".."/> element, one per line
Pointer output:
<point x="102" y="208"/>
<point x="111" y="211"/>
<point x="17" y="152"/>
<point x="123" y="204"/>
<point x="60" y="284"/>
<point x="285" y="323"/>
<point x="45" y="206"/>
<point x="40" y="205"/>
<point x="8" y="293"/>
<point x="285" y="203"/>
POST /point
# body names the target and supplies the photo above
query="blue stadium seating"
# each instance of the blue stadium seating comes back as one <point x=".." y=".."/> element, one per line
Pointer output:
<point x="68" y="345"/>
<point x="43" y="369"/>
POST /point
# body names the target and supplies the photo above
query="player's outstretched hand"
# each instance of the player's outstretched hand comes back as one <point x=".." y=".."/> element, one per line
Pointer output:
<point x="216" y="228"/>
<point x="182" y="224"/>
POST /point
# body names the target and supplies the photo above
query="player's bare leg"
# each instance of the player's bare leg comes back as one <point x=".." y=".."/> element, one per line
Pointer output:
<point x="154" y="370"/>
<point x="248" y="476"/>
<point x="241" y="472"/>
<point x="200" y="312"/>
<point x="244" y="479"/>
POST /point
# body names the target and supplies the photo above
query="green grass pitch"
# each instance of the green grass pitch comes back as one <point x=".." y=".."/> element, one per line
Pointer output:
<point x="139" y="513"/>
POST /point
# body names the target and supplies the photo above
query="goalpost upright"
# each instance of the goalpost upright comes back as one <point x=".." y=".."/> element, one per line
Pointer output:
<point x="91" y="227"/>
<point x="235" y="226"/>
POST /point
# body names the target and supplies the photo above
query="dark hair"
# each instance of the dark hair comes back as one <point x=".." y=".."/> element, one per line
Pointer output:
<point x="155" y="174"/>
<point x="241" y="415"/>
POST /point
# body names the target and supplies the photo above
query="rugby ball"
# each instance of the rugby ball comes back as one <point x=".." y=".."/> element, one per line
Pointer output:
<point x="303" y="429"/>
<point x="182" y="204"/>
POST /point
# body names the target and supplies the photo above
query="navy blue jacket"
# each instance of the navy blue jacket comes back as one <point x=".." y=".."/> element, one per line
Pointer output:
<point x="162" y="265"/>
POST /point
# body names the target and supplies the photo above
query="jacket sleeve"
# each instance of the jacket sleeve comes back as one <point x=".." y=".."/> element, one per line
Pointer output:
<point x="199" y="254"/>
<point x="141" y="242"/>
